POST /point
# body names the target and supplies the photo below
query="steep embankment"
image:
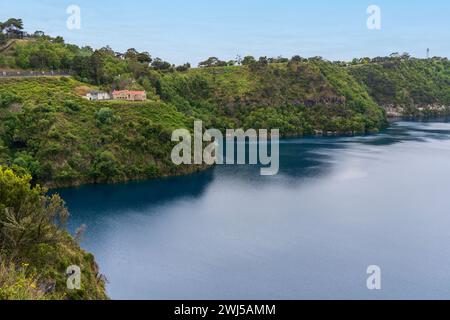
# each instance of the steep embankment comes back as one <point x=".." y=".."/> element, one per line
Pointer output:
<point x="415" y="87"/>
<point x="48" y="130"/>
<point x="36" y="251"/>
<point x="299" y="98"/>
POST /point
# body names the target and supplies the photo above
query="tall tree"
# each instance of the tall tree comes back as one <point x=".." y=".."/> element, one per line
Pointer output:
<point x="159" y="64"/>
<point x="131" y="54"/>
<point x="212" y="62"/>
<point x="248" y="60"/>
<point x="98" y="66"/>
<point x="144" y="57"/>
<point x="13" y="27"/>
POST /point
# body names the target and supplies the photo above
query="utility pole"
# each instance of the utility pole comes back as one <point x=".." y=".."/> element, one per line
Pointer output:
<point x="428" y="53"/>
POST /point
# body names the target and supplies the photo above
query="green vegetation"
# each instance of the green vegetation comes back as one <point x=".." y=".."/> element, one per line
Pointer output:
<point x="298" y="97"/>
<point x="407" y="83"/>
<point x="61" y="139"/>
<point x="50" y="135"/>
<point x="49" y="131"/>
<point x="10" y="29"/>
<point x="35" y="249"/>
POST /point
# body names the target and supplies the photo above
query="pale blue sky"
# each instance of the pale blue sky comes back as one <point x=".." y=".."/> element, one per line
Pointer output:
<point x="183" y="30"/>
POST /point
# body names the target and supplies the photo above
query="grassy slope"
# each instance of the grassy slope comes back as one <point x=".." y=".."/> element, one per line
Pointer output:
<point x="66" y="143"/>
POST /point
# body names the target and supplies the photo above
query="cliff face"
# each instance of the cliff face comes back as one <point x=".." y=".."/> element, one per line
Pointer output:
<point x="427" y="110"/>
<point x="407" y="87"/>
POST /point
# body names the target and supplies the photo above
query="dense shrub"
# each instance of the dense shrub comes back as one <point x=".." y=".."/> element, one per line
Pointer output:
<point x="7" y="99"/>
<point x="35" y="249"/>
<point x="71" y="105"/>
<point x="105" y="116"/>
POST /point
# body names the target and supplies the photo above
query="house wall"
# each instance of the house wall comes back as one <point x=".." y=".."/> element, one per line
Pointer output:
<point x="139" y="97"/>
<point x="91" y="97"/>
<point x="120" y="96"/>
<point x="128" y="96"/>
<point x="104" y="96"/>
<point x="98" y="96"/>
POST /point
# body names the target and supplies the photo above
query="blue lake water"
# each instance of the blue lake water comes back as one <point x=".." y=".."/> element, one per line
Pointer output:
<point x="337" y="206"/>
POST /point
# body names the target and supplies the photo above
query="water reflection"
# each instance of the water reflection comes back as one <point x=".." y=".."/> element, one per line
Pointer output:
<point x="337" y="206"/>
<point x="136" y="196"/>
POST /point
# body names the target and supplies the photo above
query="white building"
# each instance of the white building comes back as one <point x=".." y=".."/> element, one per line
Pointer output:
<point x="98" y="95"/>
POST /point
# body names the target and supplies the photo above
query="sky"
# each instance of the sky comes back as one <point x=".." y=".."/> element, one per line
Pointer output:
<point x="193" y="30"/>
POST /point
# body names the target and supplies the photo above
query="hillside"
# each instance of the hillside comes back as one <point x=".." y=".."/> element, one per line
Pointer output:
<point x="35" y="248"/>
<point x="407" y="86"/>
<point x="63" y="140"/>
<point x="298" y="98"/>
<point x="49" y="131"/>
<point x="51" y="137"/>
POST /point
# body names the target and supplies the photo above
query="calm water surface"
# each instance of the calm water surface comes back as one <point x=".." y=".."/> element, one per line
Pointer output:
<point x="337" y="206"/>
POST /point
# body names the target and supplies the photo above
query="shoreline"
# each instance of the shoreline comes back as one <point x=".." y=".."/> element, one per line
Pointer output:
<point x="198" y="169"/>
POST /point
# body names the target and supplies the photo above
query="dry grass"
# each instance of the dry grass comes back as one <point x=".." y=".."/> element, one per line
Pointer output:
<point x="15" y="284"/>
<point x="82" y="90"/>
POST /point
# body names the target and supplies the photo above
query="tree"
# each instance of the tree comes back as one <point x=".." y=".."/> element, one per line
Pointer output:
<point x="82" y="66"/>
<point x="212" y="62"/>
<point x="131" y="54"/>
<point x="134" y="55"/>
<point x="184" y="67"/>
<point x="38" y="34"/>
<point x="137" y="68"/>
<point x="263" y="61"/>
<point x="296" y="59"/>
<point x="248" y="60"/>
<point x="97" y="65"/>
<point x="405" y="56"/>
<point x="107" y="51"/>
<point x="59" y="39"/>
<point x="278" y="59"/>
<point x="13" y="28"/>
<point x="105" y="167"/>
<point x="105" y="115"/>
<point x="28" y="217"/>
<point x="159" y="64"/>
<point x="144" y="57"/>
